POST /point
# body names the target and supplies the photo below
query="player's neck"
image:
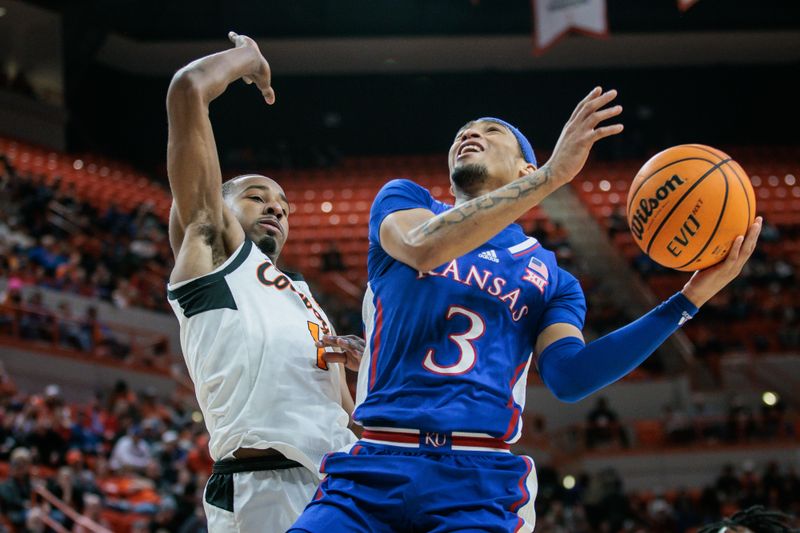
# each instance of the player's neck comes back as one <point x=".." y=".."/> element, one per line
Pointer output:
<point x="466" y="196"/>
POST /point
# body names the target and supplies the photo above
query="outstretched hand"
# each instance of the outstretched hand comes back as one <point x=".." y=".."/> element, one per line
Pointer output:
<point x="581" y="132"/>
<point x="261" y="75"/>
<point x="705" y="283"/>
<point x="350" y="347"/>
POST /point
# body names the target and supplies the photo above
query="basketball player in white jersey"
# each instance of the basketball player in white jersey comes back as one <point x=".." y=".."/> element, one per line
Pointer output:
<point x="274" y="403"/>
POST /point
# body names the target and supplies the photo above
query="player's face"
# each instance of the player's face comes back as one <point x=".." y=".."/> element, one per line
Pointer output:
<point x="262" y="209"/>
<point x="489" y="145"/>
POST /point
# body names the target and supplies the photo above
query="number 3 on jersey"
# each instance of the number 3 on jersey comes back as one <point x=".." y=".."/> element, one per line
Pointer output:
<point x="313" y="328"/>
<point x="467" y="354"/>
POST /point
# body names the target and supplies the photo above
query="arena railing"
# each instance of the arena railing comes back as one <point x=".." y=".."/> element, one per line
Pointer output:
<point x="78" y="519"/>
<point x="130" y="346"/>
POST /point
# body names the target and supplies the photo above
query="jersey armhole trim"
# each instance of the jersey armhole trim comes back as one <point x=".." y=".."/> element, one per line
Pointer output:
<point x="211" y="291"/>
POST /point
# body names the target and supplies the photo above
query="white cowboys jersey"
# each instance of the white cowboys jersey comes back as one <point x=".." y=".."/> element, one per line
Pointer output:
<point x="247" y="333"/>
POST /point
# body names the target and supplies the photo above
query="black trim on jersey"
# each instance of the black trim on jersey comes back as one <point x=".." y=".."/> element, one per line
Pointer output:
<point x="211" y="291"/>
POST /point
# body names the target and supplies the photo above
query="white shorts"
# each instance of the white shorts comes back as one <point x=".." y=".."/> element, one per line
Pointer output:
<point x="263" y="501"/>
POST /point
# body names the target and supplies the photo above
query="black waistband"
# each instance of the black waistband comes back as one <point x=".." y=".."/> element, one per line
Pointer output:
<point x="253" y="464"/>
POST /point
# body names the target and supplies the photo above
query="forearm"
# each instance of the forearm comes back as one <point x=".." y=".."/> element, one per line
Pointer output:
<point x="209" y="76"/>
<point x="469" y="225"/>
<point x="573" y="371"/>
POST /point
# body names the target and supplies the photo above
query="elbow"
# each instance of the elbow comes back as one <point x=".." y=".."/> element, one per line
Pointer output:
<point x="186" y="86"/>
<point x="568" y="396"/>
<point x="421" y="256"/>
<point x="565" y="391"/>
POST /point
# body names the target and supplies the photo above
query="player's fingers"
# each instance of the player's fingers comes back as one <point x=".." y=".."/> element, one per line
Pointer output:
<point x="733" y="255"/>
<point x="232" y="36"/>
<point x="604" y="114"/>
<point x="598" y="102"/>
<point x="356" y="341"/>
<point x="749" y="244"/>
<point x="334" y="357"/>
<point x="269" y="96"/>
<point x="247" y="79"/>
<point x="333" y="341"/>
<point x="353" y="363"/>
<point x="327" y="341"/>
<point x="592" y="94"/>
<point x="606" y="131"/>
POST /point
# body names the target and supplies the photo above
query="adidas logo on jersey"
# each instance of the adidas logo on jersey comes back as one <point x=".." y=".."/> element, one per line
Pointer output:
<point x="489" y="255"/>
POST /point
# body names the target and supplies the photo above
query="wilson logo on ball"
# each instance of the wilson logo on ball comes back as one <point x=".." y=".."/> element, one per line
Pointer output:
<point x="647" y="206"/>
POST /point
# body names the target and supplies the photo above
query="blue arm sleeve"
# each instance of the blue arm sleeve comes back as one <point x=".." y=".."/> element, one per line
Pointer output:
<point x="573" y="371"/>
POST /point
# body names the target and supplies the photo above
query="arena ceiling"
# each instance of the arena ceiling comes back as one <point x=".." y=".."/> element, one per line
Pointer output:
<point x="154" y="37"/>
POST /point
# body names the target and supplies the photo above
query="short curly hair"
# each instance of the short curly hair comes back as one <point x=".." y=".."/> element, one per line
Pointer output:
<point x="757" y="519"/>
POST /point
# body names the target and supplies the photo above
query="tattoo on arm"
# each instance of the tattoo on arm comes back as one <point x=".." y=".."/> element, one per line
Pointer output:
<point x="512" y="192"/>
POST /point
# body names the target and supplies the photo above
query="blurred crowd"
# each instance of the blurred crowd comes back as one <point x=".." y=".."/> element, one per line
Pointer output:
<point x="125" y="459"/>
<point x="599" y="502"/>
<point x="128" y="459"/>
<point x="700" y="425"/>
<point x="50" y="239"/>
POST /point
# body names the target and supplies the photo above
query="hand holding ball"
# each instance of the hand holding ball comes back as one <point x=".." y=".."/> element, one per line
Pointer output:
<point x="687" y="204"/>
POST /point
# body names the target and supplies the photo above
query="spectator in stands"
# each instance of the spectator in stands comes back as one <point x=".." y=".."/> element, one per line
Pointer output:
<point x="36" y="321"/>
<point x="100" y="337"/>
<point x="48" y="254"/>
<point x="7" y="387"/>
<point x="617" y="222"/>
<point x="332" y="259"/>
<point x="728" y="483"/>
<point x="47" y="444"/>
<point x="64" y="487"/>
<point x="602" y="426"/>
<point x="166" y="518"/>
<point x="741" y="422"/>
<point x="92" y="509"/>
<point x="706" y="420"/>
<point x="677" y="426"/>
<point x="70" y="333"/>
<point x="169" y="456"/>
<point x="131" y="452"/>
<point x="15" y="492"/>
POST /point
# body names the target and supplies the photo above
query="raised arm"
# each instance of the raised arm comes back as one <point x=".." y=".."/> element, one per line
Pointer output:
<point x="572" y="370"/>
<point x="192" y="162"/>
<point x="424" y="241"/>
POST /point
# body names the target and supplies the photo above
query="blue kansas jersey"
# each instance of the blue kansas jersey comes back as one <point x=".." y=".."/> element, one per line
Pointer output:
<point x="449" y="350"/>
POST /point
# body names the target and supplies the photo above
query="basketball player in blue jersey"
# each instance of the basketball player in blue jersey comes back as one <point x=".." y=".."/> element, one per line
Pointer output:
<point x="460" y="304"/>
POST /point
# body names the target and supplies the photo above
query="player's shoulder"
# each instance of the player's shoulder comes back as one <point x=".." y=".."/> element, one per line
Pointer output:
<point x="403" y="185"/>
<point x="404" y="193"/>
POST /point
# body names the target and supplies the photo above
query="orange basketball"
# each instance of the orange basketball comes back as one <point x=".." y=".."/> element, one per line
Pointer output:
<point x="687" y="204"/>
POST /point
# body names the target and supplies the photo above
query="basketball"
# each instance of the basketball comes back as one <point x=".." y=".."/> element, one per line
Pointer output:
<point x="687" y="204"/>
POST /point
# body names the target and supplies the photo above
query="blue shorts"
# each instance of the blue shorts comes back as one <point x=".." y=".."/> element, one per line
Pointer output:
<point x="380" y="488"/>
